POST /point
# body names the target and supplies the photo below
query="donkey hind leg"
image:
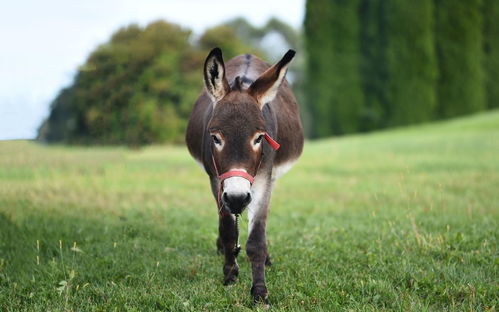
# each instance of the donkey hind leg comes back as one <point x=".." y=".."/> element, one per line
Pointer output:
<point x="256" y="248"/>
<point x="227" y="242"/>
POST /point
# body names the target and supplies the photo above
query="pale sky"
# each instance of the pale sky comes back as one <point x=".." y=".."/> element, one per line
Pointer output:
<point x="43" y="42"/>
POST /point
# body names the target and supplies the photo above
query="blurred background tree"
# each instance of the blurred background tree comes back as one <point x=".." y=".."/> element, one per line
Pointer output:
<point x="372" y="64"/>
<point x="410" y="62"/>
<point x="135" y="89"/>
<point x="330" y="80"/>
<point x="459" y="42"/>
<point x="139" y="88"/>
<point x="226" y="38"/>
<point x="361" y="65"/>
<point x="490" y="11"/>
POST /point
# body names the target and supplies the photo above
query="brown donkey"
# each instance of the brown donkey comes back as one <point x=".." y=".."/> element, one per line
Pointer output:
<point x="246" y="132"/>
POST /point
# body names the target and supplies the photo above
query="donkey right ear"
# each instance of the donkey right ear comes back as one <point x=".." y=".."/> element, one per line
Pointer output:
<point x="265" y="88"/>
<point x="214" y="76"/>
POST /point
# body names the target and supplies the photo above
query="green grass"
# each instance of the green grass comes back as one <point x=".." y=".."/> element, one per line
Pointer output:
<point x="398" y="220"/>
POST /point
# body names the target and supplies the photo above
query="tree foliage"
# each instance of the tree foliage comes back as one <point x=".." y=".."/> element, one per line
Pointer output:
<point x="373" y="43"/>
<point x="132" y="89"/>
<point x="415" y="61"/>
<point x="491" y="51"/>
<point x="333" y="88"/>
<point x="140" y="86"/>
<point x="410" y="62"/>
<point x="460" y="56"/>
<point x="226" y="38"/>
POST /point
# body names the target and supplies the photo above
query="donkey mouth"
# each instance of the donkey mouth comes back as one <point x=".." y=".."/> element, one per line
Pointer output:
<point x="235" y="210"/>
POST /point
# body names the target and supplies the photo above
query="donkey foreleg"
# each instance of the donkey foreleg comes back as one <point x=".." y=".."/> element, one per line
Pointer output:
<point x="256" y="249"/>
<point x="227" y="242"/>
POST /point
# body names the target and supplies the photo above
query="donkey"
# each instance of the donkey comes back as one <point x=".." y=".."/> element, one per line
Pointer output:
<point x="245" y="130"/>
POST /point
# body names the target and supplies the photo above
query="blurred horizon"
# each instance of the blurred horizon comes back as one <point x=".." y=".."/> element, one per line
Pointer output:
<point x="40" y="57"/>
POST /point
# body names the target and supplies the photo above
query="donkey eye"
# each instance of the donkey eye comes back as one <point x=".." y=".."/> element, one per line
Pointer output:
<point x="259" y="139"/>
<point x="216" y="140"/>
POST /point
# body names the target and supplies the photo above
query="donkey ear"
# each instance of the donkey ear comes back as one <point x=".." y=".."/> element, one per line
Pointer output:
<point x="265" y="88"/>
<point x="214" y="75"/>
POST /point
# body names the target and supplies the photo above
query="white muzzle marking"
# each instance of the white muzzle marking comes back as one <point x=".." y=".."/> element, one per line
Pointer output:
<point x="236" y="185"/>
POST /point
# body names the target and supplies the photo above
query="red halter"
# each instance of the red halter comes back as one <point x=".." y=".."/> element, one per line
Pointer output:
<point x="238" y="173"/>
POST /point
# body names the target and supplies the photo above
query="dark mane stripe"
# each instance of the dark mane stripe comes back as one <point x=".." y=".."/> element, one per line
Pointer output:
<point x="248" y="63"/>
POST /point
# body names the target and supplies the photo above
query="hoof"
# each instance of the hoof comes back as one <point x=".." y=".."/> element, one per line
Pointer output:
<point x="230" y="274"/>
<point x="259" y="294"/>
<point x="268" y="262"/>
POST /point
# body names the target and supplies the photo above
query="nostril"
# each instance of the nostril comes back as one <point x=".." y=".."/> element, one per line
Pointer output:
<point x="225" y="197"/>
<point x="247" y="200"/>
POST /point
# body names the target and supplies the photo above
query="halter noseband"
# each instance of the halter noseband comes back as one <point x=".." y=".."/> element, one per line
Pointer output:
<point x="236" y="173"/>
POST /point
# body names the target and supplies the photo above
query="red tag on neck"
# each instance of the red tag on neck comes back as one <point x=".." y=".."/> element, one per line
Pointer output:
<point x="272" y="142"/>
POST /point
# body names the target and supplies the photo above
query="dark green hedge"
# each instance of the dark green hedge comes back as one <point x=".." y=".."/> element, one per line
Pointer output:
<point x="334" y="90"/>
<point x="459" y="50"/>
<point x="380" y="63"/>
<point x="410" y="61"/>
<point x="491" y="51"/>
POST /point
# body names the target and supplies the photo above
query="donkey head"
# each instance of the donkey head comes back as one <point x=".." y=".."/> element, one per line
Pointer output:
<point x="237" y="128"/>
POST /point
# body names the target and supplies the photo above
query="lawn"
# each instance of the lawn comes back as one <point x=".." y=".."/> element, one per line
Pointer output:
<point x="403" y="220"/>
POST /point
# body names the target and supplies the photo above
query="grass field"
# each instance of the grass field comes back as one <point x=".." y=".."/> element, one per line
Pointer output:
<point x="403" y="220"/>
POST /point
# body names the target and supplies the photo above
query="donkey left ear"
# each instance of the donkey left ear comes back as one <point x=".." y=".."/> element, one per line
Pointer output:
<point x="265" y="88"/>
<point x="214" y="76"/>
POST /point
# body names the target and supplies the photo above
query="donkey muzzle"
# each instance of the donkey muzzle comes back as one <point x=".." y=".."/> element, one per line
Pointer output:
<point x="235" y="191"/>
